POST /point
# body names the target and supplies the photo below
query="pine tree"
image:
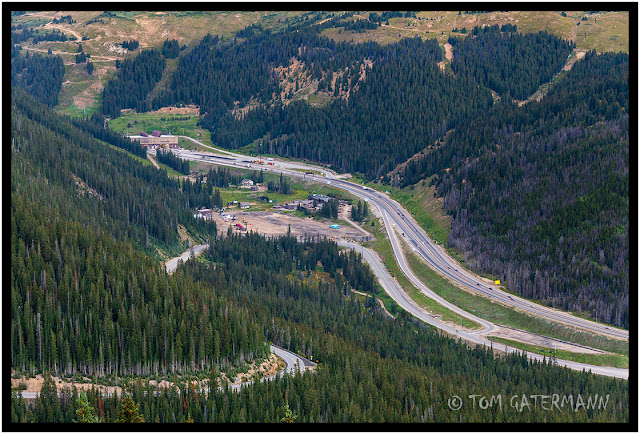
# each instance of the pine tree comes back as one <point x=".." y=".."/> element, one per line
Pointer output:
<point x="288" y="415"/>
<point x="47" y="405"/>
<point x="85" y="412"/>
<point x="129" y="412"/>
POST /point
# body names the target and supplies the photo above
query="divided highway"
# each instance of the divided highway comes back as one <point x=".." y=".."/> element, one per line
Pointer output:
<point x="435" y="255"/>
<point x="394" y="290"/>
<point x="394" y="214"/>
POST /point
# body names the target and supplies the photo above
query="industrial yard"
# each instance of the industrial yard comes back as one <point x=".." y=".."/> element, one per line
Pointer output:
<point x="278" y="223"/>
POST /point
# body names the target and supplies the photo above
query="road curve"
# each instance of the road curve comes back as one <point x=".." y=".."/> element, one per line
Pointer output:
<point x="435" y="255"/>
<point x="396" y="292"/>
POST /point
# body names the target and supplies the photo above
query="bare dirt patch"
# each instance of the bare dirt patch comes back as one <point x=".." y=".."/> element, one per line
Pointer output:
<point x="35" y="384"/>
<point x="277" y="223"/>
<point x="448" y="51"/>
<point x="190" y="109"/>
<point x="84" y="188"/>
<point x="573" y="60"/>
<point x="153" y="161"/>
<point x="268" y="368"/>
<point x="87" y="98"/>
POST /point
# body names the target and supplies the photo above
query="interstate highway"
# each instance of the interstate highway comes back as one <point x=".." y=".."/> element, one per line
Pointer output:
<point x="435" y="255"/>
<point x="394" y="290"/>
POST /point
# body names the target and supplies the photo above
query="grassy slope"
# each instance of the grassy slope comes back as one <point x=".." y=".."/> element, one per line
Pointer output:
<point x="609" y="33"/>
<point x="382" y="245"/>
<point x="615" y="360"/>
<point x="135" y="122"/>
<point x="426" y="208"/>
<point x="499" y="314"/>
<point x="149" y="28"/>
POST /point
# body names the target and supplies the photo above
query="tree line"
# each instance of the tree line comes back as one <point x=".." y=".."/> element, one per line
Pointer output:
<point x="135" y="79"/>
<point x="510" y="63"/>
<point x="170" y="159"/>
<point x="554" y="176"/>
<point x="26" y="34"/>
<point x="372" y="369"/>
<point x="39" y="75"/>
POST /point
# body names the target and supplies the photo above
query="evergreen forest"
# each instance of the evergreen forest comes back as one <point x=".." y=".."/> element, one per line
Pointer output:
<point x="538" y="194"/>
<point x="87" y="298"/>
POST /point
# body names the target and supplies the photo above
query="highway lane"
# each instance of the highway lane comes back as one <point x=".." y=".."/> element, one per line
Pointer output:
<point x="395" y="291"/>
<point x="435" y="255"/>
<point x="404" y="266"/>
<point x="424" y="246"/>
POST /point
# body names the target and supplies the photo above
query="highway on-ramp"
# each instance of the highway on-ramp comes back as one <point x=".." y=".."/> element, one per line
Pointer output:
<point x="395" y="216"/>
<point x="396" y="292"/>
<point x="434" y="254"/>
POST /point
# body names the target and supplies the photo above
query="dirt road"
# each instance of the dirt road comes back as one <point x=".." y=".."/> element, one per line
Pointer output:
<point x="172" y="263"/>
<point x="64" y="30"/>
<point x="153" y="161"/>
<point x="94" y="58"/>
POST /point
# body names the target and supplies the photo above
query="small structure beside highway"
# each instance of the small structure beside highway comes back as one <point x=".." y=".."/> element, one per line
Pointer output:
<point x="156" y="140"/>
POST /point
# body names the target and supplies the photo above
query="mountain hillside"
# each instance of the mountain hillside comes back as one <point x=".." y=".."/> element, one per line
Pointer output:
<point x="540" y="193"/>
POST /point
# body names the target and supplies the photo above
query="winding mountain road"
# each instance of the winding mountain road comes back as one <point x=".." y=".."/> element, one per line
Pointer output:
<point x="435" y="255"/>
<point x="396" y="292"/>
<point x="395" y="216"/>
<point x="293" y="363"/>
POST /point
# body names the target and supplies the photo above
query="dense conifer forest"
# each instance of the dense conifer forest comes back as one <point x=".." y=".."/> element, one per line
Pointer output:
<point x="39" y="75"/>
<point x="86" y="298"/>
<point x="400" y="107"/>
<point x="540" y="193"/>
<point x="136" y="78"/>
<point x="509" y="63"/>
<point x="539" y="196"/>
